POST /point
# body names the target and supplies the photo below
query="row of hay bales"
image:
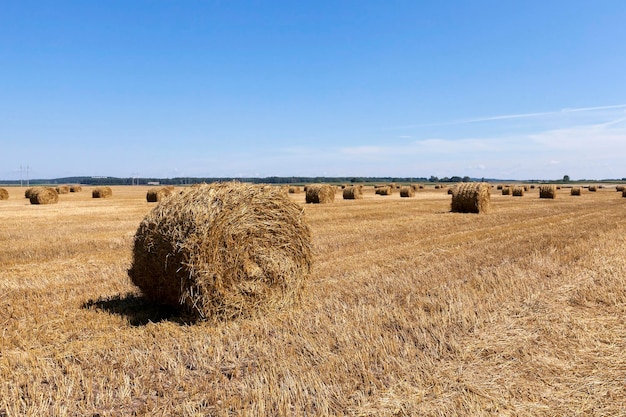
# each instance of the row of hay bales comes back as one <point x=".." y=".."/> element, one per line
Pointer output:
<point x="50" y="195"/>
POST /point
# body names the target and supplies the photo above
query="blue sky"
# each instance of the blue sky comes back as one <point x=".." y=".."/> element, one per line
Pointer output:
<point x="521" y="90"/>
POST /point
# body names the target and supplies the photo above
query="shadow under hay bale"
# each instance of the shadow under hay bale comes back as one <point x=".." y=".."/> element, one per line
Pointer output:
<point x="320" y="193"/>
<point x="354" y="192"/>
<point x="102" y="192"/>
<point x="4" y="194"/>
<point x="547" y="191"/>
<point x="154" y="195"/>
<point x="471" y="197"/>
<point x="43" y="195"/>
<point x="223" y="251"/>
<point x="407" y="192"/>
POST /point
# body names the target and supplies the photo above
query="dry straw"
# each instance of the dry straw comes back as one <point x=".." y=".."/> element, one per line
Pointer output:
<point x="407" y="192"/>
<point x="624" y="193"/>
<point x="593" y="188"/>
<point x="43" y="195"/>
<point x="547" y="191"/>
<point x="518" y="192"/>
<point x="383" y="190"/>
<point x="75" y="188"/>
<point x="354" y="192"/>
<point x="575" y="191"/>
<point x="4" y="194"/>
<point x="102" y="192"/>
<point x="28" y="192"/>
<point x="619" y="188"/>
<point x="62" y="189"/>
<point x="320" y="193"/>
<point x="157" y="194"/>
<point x="223" y="251"/>
<point x="506" y="191"/>
<point x="471" y="197"/>
<point x="294" y="190"/>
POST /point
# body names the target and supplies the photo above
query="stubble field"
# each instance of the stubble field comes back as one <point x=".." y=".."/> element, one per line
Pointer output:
<point x="410" y="310"/>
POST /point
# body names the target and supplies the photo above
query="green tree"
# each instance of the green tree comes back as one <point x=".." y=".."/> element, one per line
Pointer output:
<point x="565" y="178"/>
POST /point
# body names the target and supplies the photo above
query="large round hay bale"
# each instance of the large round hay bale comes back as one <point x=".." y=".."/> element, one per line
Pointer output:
<point x="4" y="194"/>
<point x="506" y="190"/>
<point x="624" y="193"/>
<point x="223" y="250"/>
<point x="43" y="195"/>
<point x="62" y="189"/>
<point x="575" y="191"/>
<point x="407" y="192"/>
<point x="320" y="193"/>
<point x="354" y="192"/>
<point x="619" y="188"/>
<point x="471" y="197"/>
<point x="154" y="195"/>
<point x="593" y="188"/>
<point x="28" y="192"/>
<point x="294" y="190"/>
<point x="383" y="190"/>
<point x="518" y="192"/>
<point x="547" y="191"/>
<point x="75" y="188"/>
<point x="101" y="192"/>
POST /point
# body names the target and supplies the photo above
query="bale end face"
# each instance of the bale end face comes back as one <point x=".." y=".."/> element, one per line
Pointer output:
<point x="223" y="251"/>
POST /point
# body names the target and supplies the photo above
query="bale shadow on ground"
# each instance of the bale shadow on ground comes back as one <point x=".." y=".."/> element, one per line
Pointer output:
<point x="138" y="309"/>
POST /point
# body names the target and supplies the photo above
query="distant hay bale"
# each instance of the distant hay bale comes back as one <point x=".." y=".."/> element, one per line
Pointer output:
<point x="619" y="188"/>
<point x="354" y="192"/>
<point x="547" y="191"/>
<point x="43" y="195"/>
<point x="532" y="187"/>
<point x="223" y="251"/>
<point x="28" y="192"/>
<point x="575" y="191"/>
<point x="4" y="194"/>
<point x="75" y="188"/>
<point x="593" y="188"/>
<point x="417" y="187"/>
<point x="294" y="190"/>
<point x="102" y="192"/>
<point x="526" y="188"/>
<point x="407" y="192"/>
<point x="450" y="190"/>
<point x="624" y="193"/>
<point x="320" y="193"/>
<point x="62" y="189"/>
<point x="384" y="190"/>
<point x="518" y="192"/>
<point x="154" y="195"/>
<point x="499" y="187"/>
<point x="471" y="197"/>
<point x="506" y="191"/>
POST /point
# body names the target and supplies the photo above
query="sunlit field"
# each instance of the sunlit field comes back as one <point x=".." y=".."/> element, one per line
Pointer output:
<point x="410" y="310"/>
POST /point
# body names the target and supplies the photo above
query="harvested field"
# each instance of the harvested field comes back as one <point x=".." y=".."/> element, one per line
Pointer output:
<point x="410" y="310"/>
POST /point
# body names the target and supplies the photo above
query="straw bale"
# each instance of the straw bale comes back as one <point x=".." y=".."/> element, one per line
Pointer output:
<point x="102" y="192"/>
<point x="154" y="195"/>
<point x="593" y="188"/>
<point x="294" y="190"/>
<point x="619" y="188"/>
<point x="4" y="194"/>
<point x="499" y="187"/>
<point x="407" y="192"/>
<point x="43" y="195"/>
<point x="518" y="192"/>
<point x="471" y="197"/>
<point x="575" y="191"/>
<point x="384" y="190"/>
<point x="62" y="189"/>
<point x="28" y="192"/>
<point x="223" y="250"/>
<point x="506" y="190"/>
<point x="354" y="192"/>
<point x="624" y="193"/>
<point x="75" y="188"/>
<point x="547" y="191"/>
<point x="320" y="193"/>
